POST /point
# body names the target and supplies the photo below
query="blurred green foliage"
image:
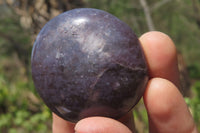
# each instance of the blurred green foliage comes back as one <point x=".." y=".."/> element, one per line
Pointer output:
<point x="194" y="70"/>
<point x="194" y="103"/>
<point x="21" y="109"/>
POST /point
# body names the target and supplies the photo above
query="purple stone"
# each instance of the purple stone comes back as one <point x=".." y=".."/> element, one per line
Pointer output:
<point x="86" y="62"/>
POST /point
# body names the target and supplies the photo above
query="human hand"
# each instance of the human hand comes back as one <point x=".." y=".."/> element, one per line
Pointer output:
<point x="166" y="108"/>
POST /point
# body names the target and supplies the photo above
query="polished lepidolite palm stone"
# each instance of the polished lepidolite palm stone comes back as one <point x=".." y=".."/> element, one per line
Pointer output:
<point x="86" y="62"/>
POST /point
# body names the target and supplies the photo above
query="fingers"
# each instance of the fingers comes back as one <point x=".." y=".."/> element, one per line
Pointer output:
<point x="167" y="110"/>
<point x="100" y="125"/>
<point x="94" y="124"/>
<point x="160" y="53"/>
<point x="60" y="125"/>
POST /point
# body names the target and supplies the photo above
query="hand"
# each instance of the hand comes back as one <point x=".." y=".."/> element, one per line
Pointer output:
<point x="166" y="108"/>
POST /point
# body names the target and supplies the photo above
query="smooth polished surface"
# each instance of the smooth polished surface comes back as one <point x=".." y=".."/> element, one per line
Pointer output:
<point x="86" y="62"/>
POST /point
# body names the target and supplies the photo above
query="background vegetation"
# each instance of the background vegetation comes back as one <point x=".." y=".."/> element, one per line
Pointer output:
<point x="21" y="109"/>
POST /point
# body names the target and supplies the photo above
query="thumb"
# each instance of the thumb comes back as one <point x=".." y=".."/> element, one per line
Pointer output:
<point x="167" y="110"/>
<point x="100" y="125"/>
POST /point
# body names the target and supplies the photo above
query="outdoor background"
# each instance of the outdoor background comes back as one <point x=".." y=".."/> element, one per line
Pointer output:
<point x="21" y="109"/>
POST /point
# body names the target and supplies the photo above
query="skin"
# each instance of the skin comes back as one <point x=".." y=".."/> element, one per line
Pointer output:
<point x="166" y="108"/>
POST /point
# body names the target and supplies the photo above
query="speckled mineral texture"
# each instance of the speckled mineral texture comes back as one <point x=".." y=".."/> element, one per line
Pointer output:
<point x="86" y="62"/>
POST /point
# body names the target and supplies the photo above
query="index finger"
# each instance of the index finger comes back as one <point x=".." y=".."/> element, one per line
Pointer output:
<point x="161" y="56"/>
